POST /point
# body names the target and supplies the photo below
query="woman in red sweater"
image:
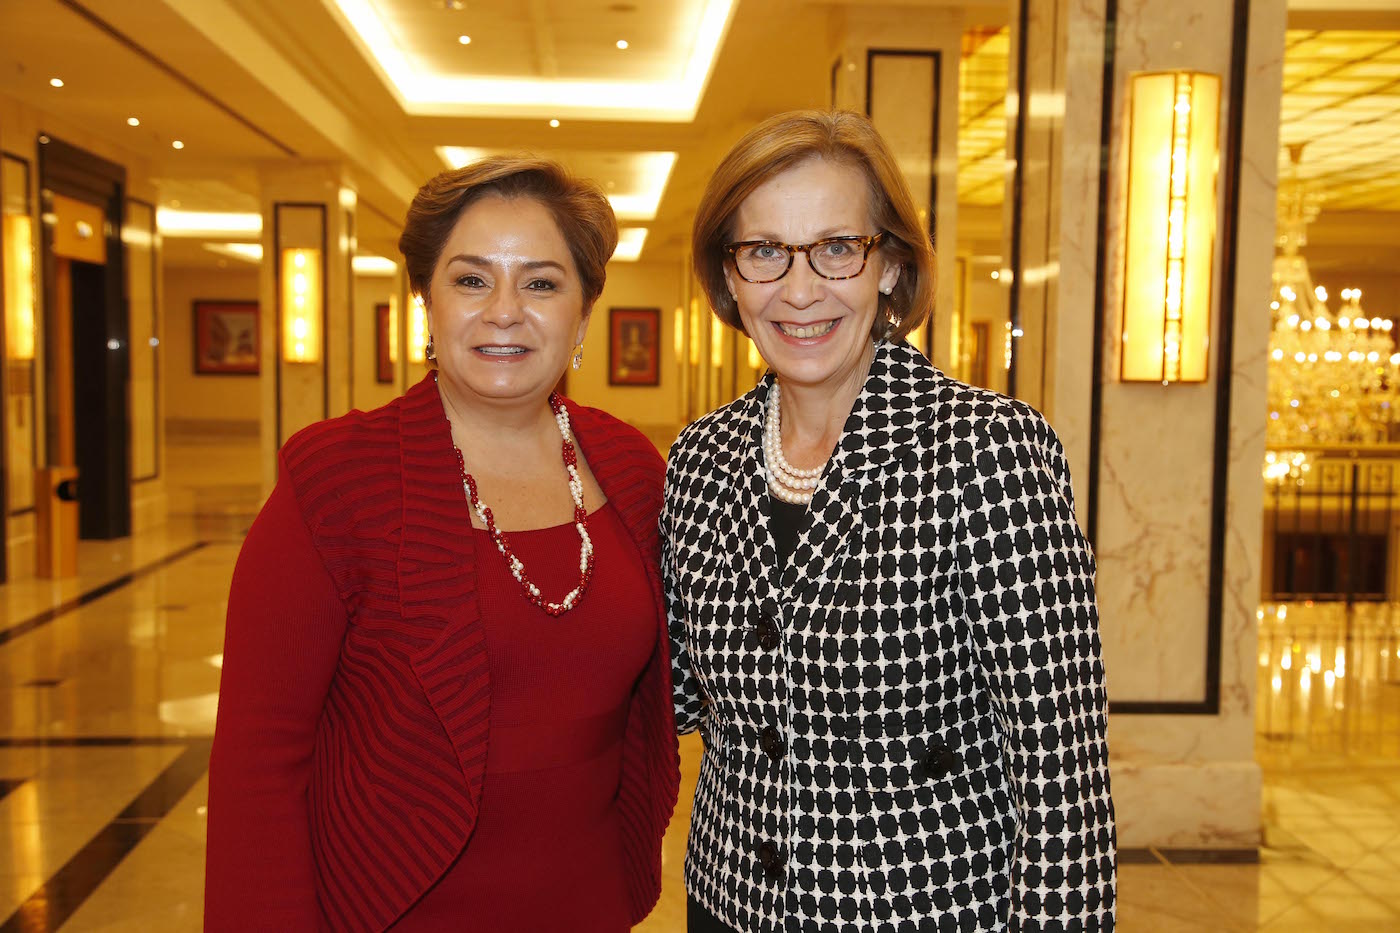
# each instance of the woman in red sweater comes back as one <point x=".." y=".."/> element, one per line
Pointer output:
<point x="446" y="699"/>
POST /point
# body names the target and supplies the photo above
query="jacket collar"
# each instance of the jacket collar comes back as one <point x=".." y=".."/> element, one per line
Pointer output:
<point x="886" y="423"/>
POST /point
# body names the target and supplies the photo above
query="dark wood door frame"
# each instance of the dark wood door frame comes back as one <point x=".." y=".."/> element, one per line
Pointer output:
<point x="104" y="454"/>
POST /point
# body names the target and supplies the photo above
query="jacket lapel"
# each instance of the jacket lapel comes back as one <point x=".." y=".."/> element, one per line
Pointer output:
<point x="881" y="428"/>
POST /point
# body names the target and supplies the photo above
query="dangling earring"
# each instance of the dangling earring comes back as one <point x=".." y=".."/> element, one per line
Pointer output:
<point x="578" y="357"/>
<point x="429" y="352"/>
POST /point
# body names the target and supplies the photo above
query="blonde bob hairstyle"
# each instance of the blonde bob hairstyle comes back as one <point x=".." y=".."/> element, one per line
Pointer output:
<point x="578" y="206"/>
<point x="780" y="143"/>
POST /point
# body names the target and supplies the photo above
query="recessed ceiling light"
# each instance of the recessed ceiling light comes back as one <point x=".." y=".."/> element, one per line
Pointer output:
<point x="465" y="40"/>
<point x="132" y="121"/>
<point x="177" y="144"/>
<point x="622" y="43"/>
<point x="554" y="123"/>
<point x="56" y="82"/>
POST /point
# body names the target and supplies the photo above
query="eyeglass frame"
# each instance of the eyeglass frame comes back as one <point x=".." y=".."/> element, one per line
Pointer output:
<point x="867" y="241"/>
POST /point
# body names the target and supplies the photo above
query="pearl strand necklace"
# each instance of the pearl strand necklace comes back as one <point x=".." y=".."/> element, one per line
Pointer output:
<point x="517" y="568"/>
<point x="785" y="481"/>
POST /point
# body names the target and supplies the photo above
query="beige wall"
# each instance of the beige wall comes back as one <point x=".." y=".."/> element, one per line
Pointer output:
<point x="191" y="399"/>
<point x="633" y="285"/>
<point x="368" y="393"/>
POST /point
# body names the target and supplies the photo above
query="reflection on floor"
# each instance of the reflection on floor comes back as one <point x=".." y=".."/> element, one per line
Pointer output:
<point x="108" y="687"/>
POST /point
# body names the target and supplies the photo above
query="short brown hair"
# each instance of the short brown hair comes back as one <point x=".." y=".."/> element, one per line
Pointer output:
<point x="781" y="142"/>
<point x="578" y="207"/>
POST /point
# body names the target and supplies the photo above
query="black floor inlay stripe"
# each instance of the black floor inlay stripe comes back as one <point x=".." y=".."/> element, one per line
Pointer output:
<point x="77" y="602"/>
<point x="92" y="741"/>
<point x="59" y="898"/>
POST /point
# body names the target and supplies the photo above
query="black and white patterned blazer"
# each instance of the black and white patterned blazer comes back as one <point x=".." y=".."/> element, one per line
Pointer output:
<point x="904" y="726"/>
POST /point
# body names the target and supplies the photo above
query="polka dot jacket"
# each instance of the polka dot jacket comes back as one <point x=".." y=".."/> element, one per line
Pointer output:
<point x="904" y="725"/>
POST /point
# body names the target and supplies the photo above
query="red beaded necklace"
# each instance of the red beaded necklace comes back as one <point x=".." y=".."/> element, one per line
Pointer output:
<point x="517" y="569"/>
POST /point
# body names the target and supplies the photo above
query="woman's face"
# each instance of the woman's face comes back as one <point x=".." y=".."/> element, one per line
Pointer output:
<point x="811" y="331"/>
<point x="505" y="306"/>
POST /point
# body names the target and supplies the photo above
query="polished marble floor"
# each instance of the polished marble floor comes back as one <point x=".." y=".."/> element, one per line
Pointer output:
<point x="108" y="687"/>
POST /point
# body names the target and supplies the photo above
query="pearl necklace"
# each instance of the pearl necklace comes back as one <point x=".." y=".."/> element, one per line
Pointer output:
<point x="785" y="481"/>
<point x="517" y="568"/>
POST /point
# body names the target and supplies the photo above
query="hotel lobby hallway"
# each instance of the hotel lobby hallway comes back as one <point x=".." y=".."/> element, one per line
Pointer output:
<point x="108" y="690"/>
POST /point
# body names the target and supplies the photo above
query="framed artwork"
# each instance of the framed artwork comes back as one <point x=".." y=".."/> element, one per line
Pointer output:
<point x="383" y="344"/>
<point x="634" y="346"/>
<point x="226" y="338"/>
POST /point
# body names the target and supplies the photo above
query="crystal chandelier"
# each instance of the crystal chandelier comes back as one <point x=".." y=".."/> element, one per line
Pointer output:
<point x="1333" y="378"/>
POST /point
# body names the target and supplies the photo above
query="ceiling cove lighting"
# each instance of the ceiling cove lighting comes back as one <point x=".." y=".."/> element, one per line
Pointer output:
<point x="373" y="265"/>
<point x="244" y="252"/>
<point x="207" y="223"/>
<point x="645" y="176"/>
<point x="1169" y="229"/>
<point x="423" y="93"/>
<point x="629" y="244"/>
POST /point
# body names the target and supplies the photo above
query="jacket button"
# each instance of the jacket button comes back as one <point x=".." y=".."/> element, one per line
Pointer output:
<point x="772" y="742"/>
<point x="941" y="761"/>
<point x="768" y="635"/>
<point x="770" y="860"/>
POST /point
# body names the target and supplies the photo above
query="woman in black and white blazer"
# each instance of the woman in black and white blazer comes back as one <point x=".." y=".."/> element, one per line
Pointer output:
<point x="882" y="610"/>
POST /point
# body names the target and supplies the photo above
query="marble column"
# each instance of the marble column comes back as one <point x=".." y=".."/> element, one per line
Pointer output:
<point x="306" y="207"/>
<point x="1167" y="477"/>
<point x="900" y="66"/>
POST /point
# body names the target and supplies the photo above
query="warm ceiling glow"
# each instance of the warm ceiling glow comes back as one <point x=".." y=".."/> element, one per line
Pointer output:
<point x="56" y="82"/>
<point x="644" y="176"/>
<point x="465" y="40"/>
<point x="629" y="244"/>
<point x="373" y="265"/>
<point x="207" y="223"/>
<point x="177" y="144"/>
<point x="554" y="124"/>
<point x="622" y="43"/>
<point x="247" y="252"/>
<point x="132" y="121"/>
<point x="423" y="93"/>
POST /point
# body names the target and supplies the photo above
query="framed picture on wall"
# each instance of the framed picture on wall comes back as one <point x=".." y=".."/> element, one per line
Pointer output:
<point x="634" y="346"/>
<point x="226" y="338"/>
<point x="383" y="344"/>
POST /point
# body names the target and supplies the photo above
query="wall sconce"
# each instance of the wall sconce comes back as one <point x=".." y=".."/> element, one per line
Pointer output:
<point x="716" y="343"/>
<point x="301" y="305"/>
<point x="678" y="333"/>
<point x="19" y="286"/>
<point x="695" y="332"/>
<point x="755" y="358"/>
<point x="1169" y="228"/>
<point x="417" y="329"/>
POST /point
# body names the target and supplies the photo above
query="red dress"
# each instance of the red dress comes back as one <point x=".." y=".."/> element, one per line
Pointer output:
<point x="546" y="853"/>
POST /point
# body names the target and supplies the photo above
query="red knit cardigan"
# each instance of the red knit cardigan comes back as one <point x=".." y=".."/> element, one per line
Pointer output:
<point x="352" y="730"/>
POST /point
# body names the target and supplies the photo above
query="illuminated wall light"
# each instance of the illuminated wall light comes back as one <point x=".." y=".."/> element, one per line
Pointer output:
<point x="716" y="342"/>
<point x="695" y="332"/>
<point x="301" y="305"/>
<point x="18" y="231"/>
<point x="393" y="329"/>
<point x="678" y="332"/>
<point x="1169" y="229"/>
<point x="417" y="329"/>
<point x="755" y="358"/>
